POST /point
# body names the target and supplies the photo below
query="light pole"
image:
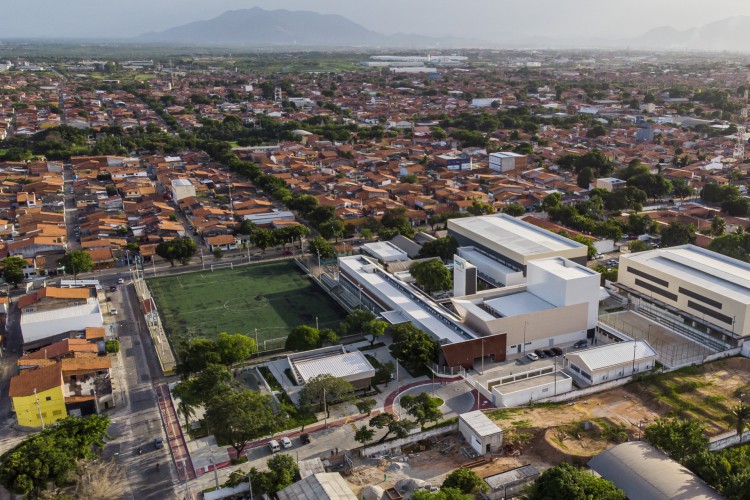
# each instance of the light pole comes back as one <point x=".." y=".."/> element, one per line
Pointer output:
<point x="555" y="375"/>
<point x="482" y="356"/>
<point x="635" y="346"/>
<point x="524" y="337"/>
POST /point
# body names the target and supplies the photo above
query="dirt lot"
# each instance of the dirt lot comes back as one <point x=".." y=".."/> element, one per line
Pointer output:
<point x="546" y="434"/>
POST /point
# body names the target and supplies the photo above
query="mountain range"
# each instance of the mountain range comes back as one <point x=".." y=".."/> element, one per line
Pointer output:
<point x="284" y="28"/>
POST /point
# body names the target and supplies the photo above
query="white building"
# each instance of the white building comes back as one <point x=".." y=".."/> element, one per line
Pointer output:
<point x="42" y="327"/>
<point x="350" y="366"/>
<point x="610" y="362"/>
<point x="506" y="161"/>
<point x="267" y="218"/>
<point x="705" y="294"/>
<point x="482" y="434"/>
<point x="385" y="251"/>
<point x="519" y="387"/>
<point x="182" y="188"/>
<point x="610" y="183"/>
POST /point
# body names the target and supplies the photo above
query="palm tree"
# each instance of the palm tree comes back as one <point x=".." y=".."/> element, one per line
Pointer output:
<point x="187" y="412"/>
<point x="742" y="415"/>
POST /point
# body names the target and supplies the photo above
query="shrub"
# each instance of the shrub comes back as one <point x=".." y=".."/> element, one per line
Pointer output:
<point x="112" y="346"/>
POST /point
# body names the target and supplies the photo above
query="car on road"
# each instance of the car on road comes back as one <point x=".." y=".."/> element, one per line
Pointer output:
<point x="304" y="438"/>
<point x="286" y="442"/>
<point x="539" y="353"/>
<point x="113" y="311"/>
<point x="113" y="288"/>
<point x="532" y="356"/>
<point x="158" y="443"/>
<point x="557" y="351"/>
<point x="273" y="445"/>
<point x="286" y="252"/>
<point x="120" y="281"/>
<point x="581" y="343"/>
<point x="548" y="353"/>
<point x="256" y="257"/>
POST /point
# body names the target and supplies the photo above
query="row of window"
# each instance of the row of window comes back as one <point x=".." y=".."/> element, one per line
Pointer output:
<point x="697" y="296"/>
<point x="656" y="290"/>
<point x="710" y="312"/>
<point x="647" y="276"/>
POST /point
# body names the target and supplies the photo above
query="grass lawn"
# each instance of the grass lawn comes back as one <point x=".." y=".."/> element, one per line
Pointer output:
<point x="273" y="297"/>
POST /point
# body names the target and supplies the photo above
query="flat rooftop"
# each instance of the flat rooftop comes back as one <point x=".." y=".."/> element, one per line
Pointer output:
<point x="518" y="303"/>
<point x="563" y="268"/>
<point x="338" y="365"/>
<point x="385" y="250"/>
<point x="513" y="234"/>
<point x="399" y="297"/>
<point x="530" y="383"/>
<point x="702" y="268"/>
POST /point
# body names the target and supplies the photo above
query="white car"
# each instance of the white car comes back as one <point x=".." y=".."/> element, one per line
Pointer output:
<point x="532" y="356"/>
<point x="120" y="281"/>
<point x="286" y="442"/>
<point x="113" y="311"/>
<point x="273" y="445"/>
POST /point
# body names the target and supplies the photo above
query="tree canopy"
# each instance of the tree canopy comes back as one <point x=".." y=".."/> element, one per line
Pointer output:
<point x="303" y="338"/>
<point x="13" y="269"/>
<point x="326" y="387"/>
<point x="432" y="275"/>
<point x="76" y="262"/>
<point x="566" y="482"/>
<point x="179" y="249"/>
<point x="465" y="481"/>
<point x="680" y="439"/>
<point x="677" y="233"/>
<point x="282" y="471"/>
<point x="411" y="346"/>
<point x="238" y="417"/>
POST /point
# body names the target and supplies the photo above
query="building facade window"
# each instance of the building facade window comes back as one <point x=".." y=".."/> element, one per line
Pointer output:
<point x="647" y="276"/>
<point x="697" y="296"/>
<point x="656" y="290"/>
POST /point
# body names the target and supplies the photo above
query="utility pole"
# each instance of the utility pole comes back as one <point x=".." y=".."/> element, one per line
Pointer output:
<point x="39" y="408"/>
<point x="524" y="337"/>
<point x="325" y="408"/>
<point x="482" y="356"/>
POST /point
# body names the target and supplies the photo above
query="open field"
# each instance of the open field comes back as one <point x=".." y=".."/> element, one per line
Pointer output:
<point x="706" y="393"/>
<point x="270" y="297"/>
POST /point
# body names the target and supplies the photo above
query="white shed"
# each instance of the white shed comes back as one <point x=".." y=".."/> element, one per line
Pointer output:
<point x="609" y="362"/>
<point x="480" y="432"/>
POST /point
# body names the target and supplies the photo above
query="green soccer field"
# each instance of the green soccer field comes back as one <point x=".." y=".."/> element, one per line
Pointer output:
<point x="273" y="297"/>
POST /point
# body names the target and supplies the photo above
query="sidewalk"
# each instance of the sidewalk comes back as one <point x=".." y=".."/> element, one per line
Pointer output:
<point x="175" y="437"/>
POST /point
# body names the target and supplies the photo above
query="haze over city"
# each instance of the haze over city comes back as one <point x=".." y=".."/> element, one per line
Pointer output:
<point x="489" y="20"/>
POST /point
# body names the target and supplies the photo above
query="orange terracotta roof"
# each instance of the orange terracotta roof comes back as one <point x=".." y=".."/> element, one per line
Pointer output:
<point x="79" y="364"/>
<point x="94" y="333"/>
<point x="65" y="346"/>
<point x="38" y="379"/>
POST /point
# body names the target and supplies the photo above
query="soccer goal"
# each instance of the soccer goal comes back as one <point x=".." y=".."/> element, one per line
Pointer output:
<point x="222" y="265"/>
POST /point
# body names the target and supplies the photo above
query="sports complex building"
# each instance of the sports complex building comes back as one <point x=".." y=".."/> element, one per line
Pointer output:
<point x="700" y="294"/>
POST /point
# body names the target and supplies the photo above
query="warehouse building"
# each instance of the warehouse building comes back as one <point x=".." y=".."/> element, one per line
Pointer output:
<point x="610" y="362"/>
<point x="513" y="242"/>
<point x="700" y="294"/>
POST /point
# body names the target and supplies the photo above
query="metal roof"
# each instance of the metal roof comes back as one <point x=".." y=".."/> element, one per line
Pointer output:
<point x="513" y="233"/>
<point x="323" y="486"/>
<point x="512" y="477"/>
<point x="645" y="473"/>
<point x="699" y="267"/>
<point x="480" y="424"/>
<point x="338" y="365"/>
<point x="597" y="358"/>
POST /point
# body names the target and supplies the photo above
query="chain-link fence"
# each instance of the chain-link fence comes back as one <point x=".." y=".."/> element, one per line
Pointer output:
<point x="155" y="328"/>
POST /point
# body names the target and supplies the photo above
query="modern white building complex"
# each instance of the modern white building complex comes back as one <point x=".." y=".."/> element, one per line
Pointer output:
<point x="698" y="293"/>
<point x="513" y="242"/>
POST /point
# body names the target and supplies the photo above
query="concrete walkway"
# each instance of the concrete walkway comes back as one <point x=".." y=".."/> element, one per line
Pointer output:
<point x="175" y="437"/>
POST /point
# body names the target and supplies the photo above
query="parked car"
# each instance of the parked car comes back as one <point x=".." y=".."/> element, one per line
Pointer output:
<point x="113" y="288"/>
<point x="304" y="438"/>
<point x="557" y="351"/>
<point x="581" y="343"/>
<point x="273" y="445"/>
<point x="158" y="443"/>
<point x="113" y="311"/>
<point x="120" y="281"/>
<point x="548" y="353"/>
<point x="539" y="353"/>
<point x="286" y="442"/>
<point x="532" y="356"/>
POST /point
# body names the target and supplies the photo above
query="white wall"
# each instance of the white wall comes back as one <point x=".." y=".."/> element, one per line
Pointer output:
<point x="522" y="397"/>
<point x="559" y="291"/>
<point x="613" y="373"/>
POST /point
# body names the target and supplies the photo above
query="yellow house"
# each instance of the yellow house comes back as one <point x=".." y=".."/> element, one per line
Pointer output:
<point x="37" y="396"/>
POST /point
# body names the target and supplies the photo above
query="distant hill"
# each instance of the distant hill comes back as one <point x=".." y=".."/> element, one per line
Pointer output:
<point x="260" y="27"/>
<point x="732" y="34"/>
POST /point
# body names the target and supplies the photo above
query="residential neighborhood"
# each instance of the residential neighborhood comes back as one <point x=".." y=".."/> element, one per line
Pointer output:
<point x="377" y="273"/>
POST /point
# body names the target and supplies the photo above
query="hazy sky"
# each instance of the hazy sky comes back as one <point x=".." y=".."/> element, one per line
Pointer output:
<point x="483" y="19"/>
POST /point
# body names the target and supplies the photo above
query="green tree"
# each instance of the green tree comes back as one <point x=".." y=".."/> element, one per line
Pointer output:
<point x="355" y="322"/>
<point x="443" y="494"/>
<point x="376" y="329"/>
<point x="302" y="338"/>
<point x="195" y="355"/>
<point x="431" y="275"/>
<point x="178" y="249"/>
<point x="218" y="254"/>
<point x="466" y="481"/>
<point x="282" y="471"/>
<point x="442" y="248"/>
<point x="566" y="482"/>
<point x="741" y="414"/>
<point x="413" y="347"/>
<point x="735" y="245"/>
<point x="332" y="229"/>
<point x="715" y="193"/>
<point x="585" y="177"/>
<point x="238" y="417"/>
<point x="13" y="270"/>
<point x="682" y="189"/>
<point x="325" y="388"/>
<point x="677" y="233"/>
<point x="75" y="262"/>
<point x="395" y="221"/>
<point x="423" y="408"/>
<point x="320" y="246"/>
<point x="400" y="428"/>
<point x="51" y="455"/>
<point x="263" y="238"/>
<point x="551" y="201"/>
<point x="366" y="405"/>
<point x="247" y="227"/>
<point x="718" y="226"/>
<point x="679" y="439"/>
<point x="364" y="435"/>
<point x="235" y="347"/>
<point x="639" y="224"/>
<point x="736" y="206"/>
<point x="188" y="400"/>
<point x="514" y="209"/>
<point x="638" y="246"/>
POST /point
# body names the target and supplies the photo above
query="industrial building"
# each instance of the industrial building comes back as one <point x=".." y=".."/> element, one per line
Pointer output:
<point x="506" y="161"/>
<point x="182" y="188"/>
<point x="699" y="294"/>
<point x="513" y="242"/>
<point x="645" y="473"/>
<point x="610" y="362"/>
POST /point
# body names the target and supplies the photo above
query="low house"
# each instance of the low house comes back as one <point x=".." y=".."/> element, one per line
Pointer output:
<point x="221" y="242"/>
<point x="609" y="362"/>
<point x="37" y="396"/>
<point x="511" y="482"/>
<point x="350" y="366"/>
<point x="482" y="434"/>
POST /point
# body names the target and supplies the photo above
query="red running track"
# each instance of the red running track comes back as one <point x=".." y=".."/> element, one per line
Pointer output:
<point x="175" y="438"/>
